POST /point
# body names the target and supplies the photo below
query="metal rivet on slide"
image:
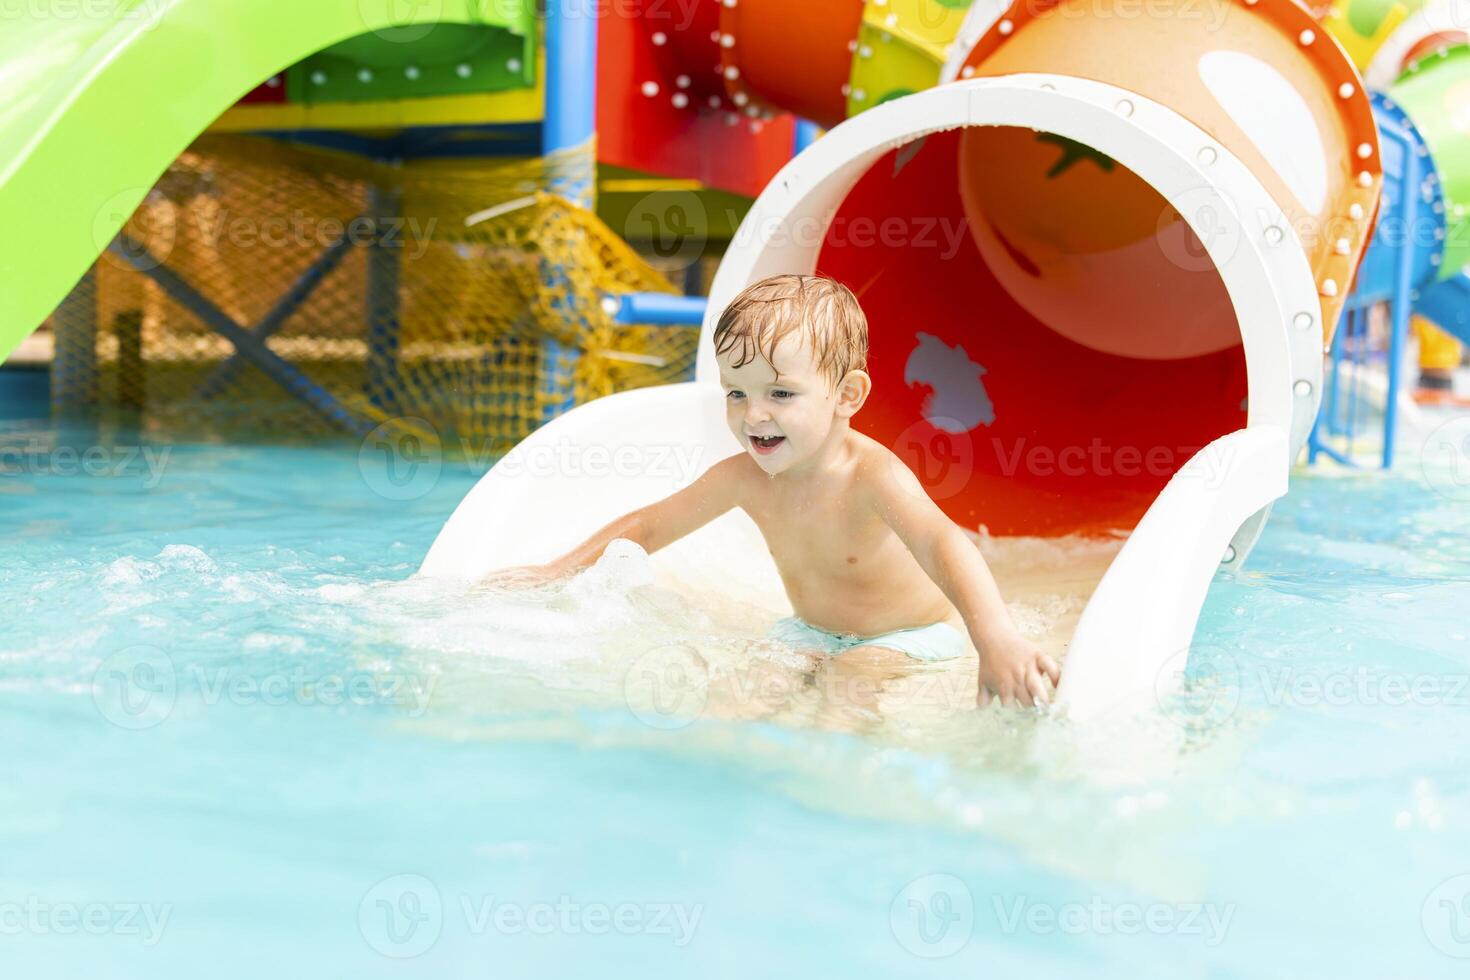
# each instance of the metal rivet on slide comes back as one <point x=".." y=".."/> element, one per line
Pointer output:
<point x="1302" y="321"/>
<point x="1302" y="388"/>
<point x="1229" y="554"/>
<point x="1207" y="155"/>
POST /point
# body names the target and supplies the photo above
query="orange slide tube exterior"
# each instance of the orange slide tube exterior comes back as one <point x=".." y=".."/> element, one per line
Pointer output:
<point x="1210" y="73"/>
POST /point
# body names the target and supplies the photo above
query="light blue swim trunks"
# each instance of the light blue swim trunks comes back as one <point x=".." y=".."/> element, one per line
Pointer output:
<point x="937" y="641"/>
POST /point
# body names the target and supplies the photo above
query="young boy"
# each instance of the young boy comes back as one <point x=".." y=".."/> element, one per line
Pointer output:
<point x="867" y="558"/>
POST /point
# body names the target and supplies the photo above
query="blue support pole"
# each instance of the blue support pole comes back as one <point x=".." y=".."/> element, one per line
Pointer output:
<point x="1403" y="290"/>
<point x="807" y="133"/>
<point x="1389" y="274"/>
<point x="567" y="134"/>
<point x="571" y="95"/>
<point x="661" y="309"/>
<point x="1358" y="352"/>
<point x="1315" y="442"/>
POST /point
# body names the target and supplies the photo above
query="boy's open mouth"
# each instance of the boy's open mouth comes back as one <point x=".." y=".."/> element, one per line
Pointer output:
<point x="766" y="444"/>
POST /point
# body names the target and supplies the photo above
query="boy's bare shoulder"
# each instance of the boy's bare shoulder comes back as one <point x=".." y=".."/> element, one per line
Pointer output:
<point x="737" y="472"/>
<point x="880" y="471"/>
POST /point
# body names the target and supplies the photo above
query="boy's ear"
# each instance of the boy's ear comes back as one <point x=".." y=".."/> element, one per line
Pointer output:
<point x="852" y="391"/>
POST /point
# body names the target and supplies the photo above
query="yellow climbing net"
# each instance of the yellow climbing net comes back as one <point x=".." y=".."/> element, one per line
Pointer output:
<point x="464" y="295"/>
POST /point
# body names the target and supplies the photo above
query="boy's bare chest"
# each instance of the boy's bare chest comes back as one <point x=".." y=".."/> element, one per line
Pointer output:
<point x="830" y="531"/>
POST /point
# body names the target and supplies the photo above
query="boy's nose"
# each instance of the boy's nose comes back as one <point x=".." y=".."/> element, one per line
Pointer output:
<point x="755" y="412"/>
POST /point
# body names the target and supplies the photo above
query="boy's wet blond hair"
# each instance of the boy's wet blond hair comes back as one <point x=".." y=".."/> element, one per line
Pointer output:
<point x="821" y="311"/>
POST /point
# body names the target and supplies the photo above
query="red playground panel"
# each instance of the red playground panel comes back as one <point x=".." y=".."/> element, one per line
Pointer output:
<point x="663" y="106"/>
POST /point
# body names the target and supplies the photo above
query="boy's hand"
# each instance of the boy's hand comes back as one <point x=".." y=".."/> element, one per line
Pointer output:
<point x="1013" y="669"/>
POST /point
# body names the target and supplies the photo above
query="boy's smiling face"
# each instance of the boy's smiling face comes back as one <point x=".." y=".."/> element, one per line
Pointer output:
<point x="783" y="411"/>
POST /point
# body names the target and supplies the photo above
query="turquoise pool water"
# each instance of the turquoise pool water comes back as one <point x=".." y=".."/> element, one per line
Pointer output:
<point x="240" y="742"/>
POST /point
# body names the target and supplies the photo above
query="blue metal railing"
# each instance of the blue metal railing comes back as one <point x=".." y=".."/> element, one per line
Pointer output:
<point x="1395" y="266"/>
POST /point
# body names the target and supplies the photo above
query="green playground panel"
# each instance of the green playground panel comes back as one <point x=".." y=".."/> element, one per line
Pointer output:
<point x="78" y="162"/>
<point x="900" y="49"/>
<point x="452" y="59"/>
<point x="1437" y="97"/>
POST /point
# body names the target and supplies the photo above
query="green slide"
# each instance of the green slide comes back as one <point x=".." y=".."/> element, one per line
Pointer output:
<point x="98" y="97"/>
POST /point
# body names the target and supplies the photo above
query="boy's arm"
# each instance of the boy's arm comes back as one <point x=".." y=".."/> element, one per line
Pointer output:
<point x="653" y="527"/>
<point x="1010" y="665"/>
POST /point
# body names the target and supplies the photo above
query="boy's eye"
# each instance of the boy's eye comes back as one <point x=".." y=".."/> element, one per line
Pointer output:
<point x="783" y="394"/>
<point x="734" y="394"/>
